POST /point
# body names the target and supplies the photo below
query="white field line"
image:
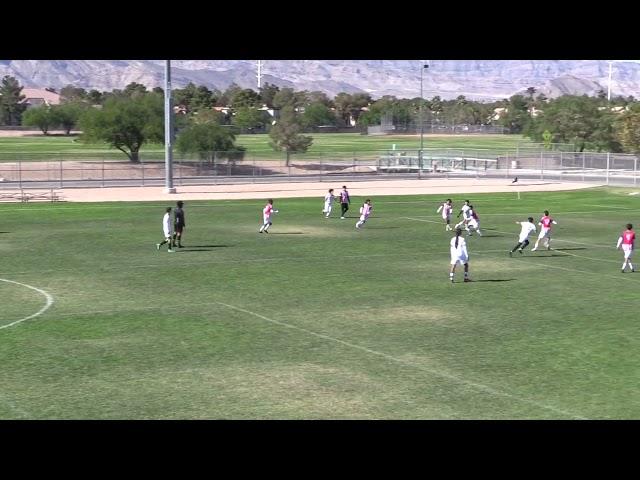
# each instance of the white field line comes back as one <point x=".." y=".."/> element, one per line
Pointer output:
<point x="448" y="376"/>
<point x="48" y="303"/>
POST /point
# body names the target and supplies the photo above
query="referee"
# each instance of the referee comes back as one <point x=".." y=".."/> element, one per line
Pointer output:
<point x="178" y="224"/>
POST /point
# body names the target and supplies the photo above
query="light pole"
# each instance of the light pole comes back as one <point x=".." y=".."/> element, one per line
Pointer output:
<point x="168" y="130"/>
<point x="423" y="67"/>
<point x="609" y="83"/>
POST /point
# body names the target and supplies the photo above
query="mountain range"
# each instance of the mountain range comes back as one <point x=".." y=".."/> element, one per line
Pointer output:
<point x="476" y="79"/>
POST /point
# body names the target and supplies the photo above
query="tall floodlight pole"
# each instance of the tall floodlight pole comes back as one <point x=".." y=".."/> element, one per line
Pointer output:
<point x="259" y="75"/>
<point x="168" y="130"/>
<point x="609" y="83"/>
<point x="423" y="67"/>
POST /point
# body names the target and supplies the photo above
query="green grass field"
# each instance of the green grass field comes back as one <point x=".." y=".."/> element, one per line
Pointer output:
<point x="333" y="145"/>
<point x="317" y="319"/>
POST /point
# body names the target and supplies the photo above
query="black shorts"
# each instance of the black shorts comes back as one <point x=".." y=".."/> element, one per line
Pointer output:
<point x="178" y="228"/>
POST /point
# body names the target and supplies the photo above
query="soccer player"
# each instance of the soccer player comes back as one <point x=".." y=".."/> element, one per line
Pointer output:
<point x="178" y="224"/>
<point x="526" y="228"/>
<point x="462" y="212"/>
<point x="627" y="239"/>
<point x="166" y="229"/>
<point x="345" y="200"/>
<point x="365" y="211"/>
<point x="459" y="255"/>
<point x="447" y="208"/>
<point x="328" y="203"/>
<point x="472" y="221"/>
<point x="545" y="232"/>
<point x="266" y="216"/>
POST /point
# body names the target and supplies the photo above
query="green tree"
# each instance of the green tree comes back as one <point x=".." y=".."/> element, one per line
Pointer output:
<point x="267" y="93"/>
<point x="577" y="120"/>
<point x="285" y="134"/>
<point x="226" y="98"/>
<point x="317" y="114"/>
<point x="42" y="117"/>
<point x="245" y="98"/>
<point x="67" y="115"/>
<point x="70" y="93"/>
<point x="126" y="123"/>
<point x="628" y="130"/>
<point x="288" y="97"/>
<point x="94" y="97"/>
<point x="248" y="118"/>
<point x="516" y="117"/>
<point x="135" y="90"/>
<point x="11" y="106"/>
<point x="209" y="141"/>
<point x="350" y="106"/>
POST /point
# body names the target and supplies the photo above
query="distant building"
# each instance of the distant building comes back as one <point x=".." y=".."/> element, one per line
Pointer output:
<point x="37" y="97"/>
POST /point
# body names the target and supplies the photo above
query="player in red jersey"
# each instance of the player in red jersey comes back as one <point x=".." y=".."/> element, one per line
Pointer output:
<point x="545" y="232"/>
<point x="626" y="241"/>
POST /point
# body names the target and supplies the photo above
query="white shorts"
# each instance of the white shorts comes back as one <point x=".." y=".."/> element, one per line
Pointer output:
<point x="363" y="218"/>
<point x="166" y="234"/>
<point x="327" y="208"/>
<point x="473" y="223"/>
<point x="544" y="233"/>
<point x="628" y="251"/>
<point x="266" y="219"/>
<point x="446" y="217"/>
<point x="462" y="259"/>
<point x="522" y="239"/>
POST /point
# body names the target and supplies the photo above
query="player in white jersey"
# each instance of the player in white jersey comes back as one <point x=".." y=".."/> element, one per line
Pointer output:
<point x="446" y="208"/>
<point x="462" y="212"/>
<point x="523" y="240"/>
<point x="472" y="221"/>
<point x="166" y="230"/>
<point x="267" y="211"/>
<point x="459" y="255"/>
<point x="365" y="211"/>
<point x="328" y="203"/>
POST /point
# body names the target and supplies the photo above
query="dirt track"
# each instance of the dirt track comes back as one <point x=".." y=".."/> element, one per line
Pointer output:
<point x="310" y="189"/>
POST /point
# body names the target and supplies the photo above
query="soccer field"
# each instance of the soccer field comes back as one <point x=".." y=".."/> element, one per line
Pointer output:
<point x="318" y="320"/>
<point x="337" y="145"/>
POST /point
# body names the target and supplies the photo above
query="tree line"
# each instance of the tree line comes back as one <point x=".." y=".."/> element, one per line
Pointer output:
<point x="128" y="118"/>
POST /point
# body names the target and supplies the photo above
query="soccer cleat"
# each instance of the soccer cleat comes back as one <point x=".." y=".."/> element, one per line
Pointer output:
<point x="451" y="280"/>
<point x="510" y="253"/>
<point x="520" y="250"/>
<point x="157" y="246"/>
<point x="467" y="279"/>
<point x="534" y="249"/>
<point x="170" y="251"/>
<point x="180" y="246"/>
<point x="622" y="270"/>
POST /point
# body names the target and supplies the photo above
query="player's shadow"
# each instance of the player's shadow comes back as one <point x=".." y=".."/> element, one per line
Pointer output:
<point x="380" y="228"/>
<point x="286" y="233"/>
<point x="187" y="250"/>
<point x="573" y="248"/>
<point x="208" y="246"/>
<point x="495" y="280"/>
<point x="5" y="232"/>
<point x="491" y="236"/>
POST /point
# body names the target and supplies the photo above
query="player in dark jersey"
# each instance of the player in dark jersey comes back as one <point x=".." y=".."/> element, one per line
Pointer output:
<point x="178" y="224"/>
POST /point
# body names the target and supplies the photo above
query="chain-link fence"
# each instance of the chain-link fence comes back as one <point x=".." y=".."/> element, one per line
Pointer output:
<point x="219" y="167"/>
